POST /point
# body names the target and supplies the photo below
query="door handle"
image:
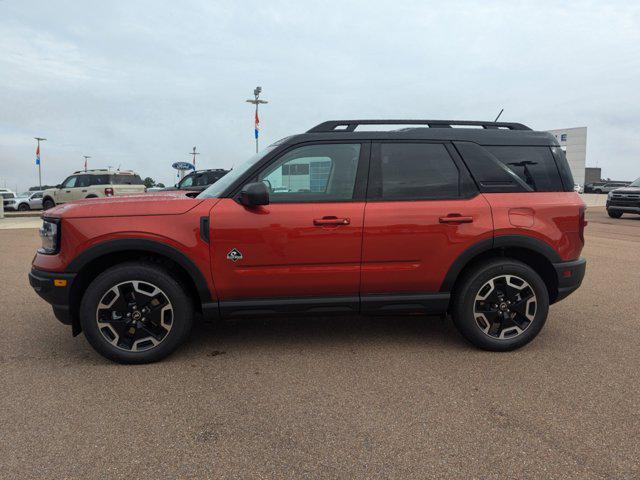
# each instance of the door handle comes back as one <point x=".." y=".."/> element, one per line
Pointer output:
<point x="321" y="222"/>
<point x="456" y="218"/>
<point x="84" y="191"/>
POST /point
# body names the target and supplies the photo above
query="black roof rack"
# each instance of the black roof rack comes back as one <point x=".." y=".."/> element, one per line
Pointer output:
<point x="351" y="125"/>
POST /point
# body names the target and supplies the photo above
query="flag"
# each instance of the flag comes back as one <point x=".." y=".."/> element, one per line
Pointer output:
<point x="257" y="127"/>
<point x="38" y="155"/>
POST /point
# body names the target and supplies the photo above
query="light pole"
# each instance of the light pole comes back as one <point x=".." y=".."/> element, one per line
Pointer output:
<point x="194" y="153"/>
<point x="86" y="157"/>
<point x="39" y="139"/>
<point x="256" y="101"/>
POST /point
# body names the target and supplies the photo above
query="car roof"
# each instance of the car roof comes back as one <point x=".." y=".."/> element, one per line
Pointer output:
<point x="483" y="133"/>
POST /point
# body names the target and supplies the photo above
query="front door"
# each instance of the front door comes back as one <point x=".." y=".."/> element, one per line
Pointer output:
<point x="65" y="193"/>
<point x="303" y="250"/>
<point x="422" y="212"/>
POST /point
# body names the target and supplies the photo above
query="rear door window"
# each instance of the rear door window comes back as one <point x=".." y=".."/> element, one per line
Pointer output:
<point x="99" y="179"/>
<point x="413" y="171"/>
<point x="535" y="166"/>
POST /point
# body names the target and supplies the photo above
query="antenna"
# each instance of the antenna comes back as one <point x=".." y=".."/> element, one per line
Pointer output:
<point x="501" y="110"/>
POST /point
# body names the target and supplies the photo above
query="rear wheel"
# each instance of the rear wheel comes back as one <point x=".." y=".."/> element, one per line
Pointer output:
<point x="47" y="203"/>
<point x="614" y="213"/>
<point x="23" y="207"/>
<point x="597" y="190"/>
<point x="501" y="305"/>
<point x="135" y="313"/>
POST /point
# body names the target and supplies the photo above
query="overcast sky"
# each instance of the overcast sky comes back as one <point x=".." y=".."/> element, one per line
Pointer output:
<point x="137" y="84"/>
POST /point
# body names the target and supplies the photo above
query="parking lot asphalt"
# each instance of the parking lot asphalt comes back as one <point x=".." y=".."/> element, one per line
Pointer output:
<point x="338" y="397"/>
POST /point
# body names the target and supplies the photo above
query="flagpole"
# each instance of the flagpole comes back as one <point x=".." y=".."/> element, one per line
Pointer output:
<point x="256" y="101"/>
<point x="39" y="139"/>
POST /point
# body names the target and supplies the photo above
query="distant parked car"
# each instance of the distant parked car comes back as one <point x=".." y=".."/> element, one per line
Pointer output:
<point x="8" y="199"/>
<point x="29" y="201"/>
<point x="609" y="187"/>
<point x="93" y="184"/>
<point x="578" y="188"/>
<point x="589" y="187"/>
<point x="199" y="180"/>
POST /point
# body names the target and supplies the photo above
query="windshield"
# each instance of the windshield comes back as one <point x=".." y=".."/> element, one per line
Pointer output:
<point x="215" y="190"/>
<point x="635" y="183"/>
<point x="25" y="194"/>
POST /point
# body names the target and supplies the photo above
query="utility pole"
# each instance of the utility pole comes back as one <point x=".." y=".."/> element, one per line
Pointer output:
<point x="86" y="157"/>
<point x="256" y="101"/>
<point x="39" y="139"/>
<point x="194" y="153"/>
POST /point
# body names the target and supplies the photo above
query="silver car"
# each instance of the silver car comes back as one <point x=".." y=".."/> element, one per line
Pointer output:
<point x="27" y="201"/>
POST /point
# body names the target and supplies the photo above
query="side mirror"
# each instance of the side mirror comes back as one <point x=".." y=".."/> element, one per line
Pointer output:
<point x="254" y="194"/>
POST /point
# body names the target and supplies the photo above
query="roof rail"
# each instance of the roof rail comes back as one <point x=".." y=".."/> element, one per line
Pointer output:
<point x="351" y="125"/>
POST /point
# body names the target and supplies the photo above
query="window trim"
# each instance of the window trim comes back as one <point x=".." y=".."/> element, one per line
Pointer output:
<point x="463" y="174"/>
<point x="362" y="171"/>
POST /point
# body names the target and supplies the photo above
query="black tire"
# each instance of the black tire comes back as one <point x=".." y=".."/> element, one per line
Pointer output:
<point x="24" y="207"/>
<point x="464" y="304"/>
<point x="47" y="203"/>
<point x="614" y="213"/>
<point x="150" y="274"/>
<point x="598" y="191"/>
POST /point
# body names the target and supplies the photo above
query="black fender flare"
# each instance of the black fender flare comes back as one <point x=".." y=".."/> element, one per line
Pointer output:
<point x="500" y="241"/>
<point x="143" y="245"/>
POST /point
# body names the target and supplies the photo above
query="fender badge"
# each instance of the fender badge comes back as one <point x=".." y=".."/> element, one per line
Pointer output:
<point x="234" y="255"/>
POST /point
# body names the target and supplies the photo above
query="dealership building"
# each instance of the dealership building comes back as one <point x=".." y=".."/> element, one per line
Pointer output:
<point x="574" y="142"/>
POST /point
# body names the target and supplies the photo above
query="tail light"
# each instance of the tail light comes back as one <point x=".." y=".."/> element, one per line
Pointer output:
<point x="108" y="192"/>
<point x="583" y="223"/>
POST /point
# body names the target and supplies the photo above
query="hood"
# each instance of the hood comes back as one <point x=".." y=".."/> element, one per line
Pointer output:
<point x="157" y="203"/>
<point x="626" y="190"/>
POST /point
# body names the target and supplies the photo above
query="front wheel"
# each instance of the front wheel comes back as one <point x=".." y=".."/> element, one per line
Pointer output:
<point x="614" y="213"/>
<point x="23" y="207"/>
<point x="500" y="305"/>
<point x="135" y="313"/>
<point x="48" y="203"/>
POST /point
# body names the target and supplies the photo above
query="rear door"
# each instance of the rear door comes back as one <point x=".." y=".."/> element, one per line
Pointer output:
<point x="423" y="210"/>
<point x="303" y="250"/>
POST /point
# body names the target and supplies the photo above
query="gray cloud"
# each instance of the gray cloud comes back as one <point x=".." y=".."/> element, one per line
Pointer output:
<point x="137" y="84"/>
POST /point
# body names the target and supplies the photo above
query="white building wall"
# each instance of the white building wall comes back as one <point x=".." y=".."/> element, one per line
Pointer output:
<point x="574" y="142"/>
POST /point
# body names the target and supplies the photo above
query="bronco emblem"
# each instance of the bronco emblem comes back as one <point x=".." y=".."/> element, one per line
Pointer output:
<point x="234" y="255"/>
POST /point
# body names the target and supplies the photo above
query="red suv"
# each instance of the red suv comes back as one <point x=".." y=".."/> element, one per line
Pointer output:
<point x="433" y="218"/>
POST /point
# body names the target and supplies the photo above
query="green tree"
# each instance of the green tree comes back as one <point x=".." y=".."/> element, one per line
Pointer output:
<point x="149" y="182"/>
<point x="160" y="185"/>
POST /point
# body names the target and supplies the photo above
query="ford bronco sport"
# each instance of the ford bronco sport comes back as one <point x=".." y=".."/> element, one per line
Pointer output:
<point x="480" y="223"/>
<point x="93" y="184"/>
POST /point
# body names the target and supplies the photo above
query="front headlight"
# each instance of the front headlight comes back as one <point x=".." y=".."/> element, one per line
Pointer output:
<point x="50" y="236"/>
<point x="609" y="195"/>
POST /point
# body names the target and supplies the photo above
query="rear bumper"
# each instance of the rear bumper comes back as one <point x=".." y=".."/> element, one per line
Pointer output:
<point x="57" y="295"/>
<point x="570" y="275"/>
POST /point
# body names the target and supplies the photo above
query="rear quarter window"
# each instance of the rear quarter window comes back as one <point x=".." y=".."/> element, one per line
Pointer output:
<point x="535" y="166"/>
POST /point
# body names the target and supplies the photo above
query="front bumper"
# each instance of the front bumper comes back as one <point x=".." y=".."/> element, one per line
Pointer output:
<point x="54" y="288"/>
<point x="623" y="205"/>
<point x="570" y="275"/>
